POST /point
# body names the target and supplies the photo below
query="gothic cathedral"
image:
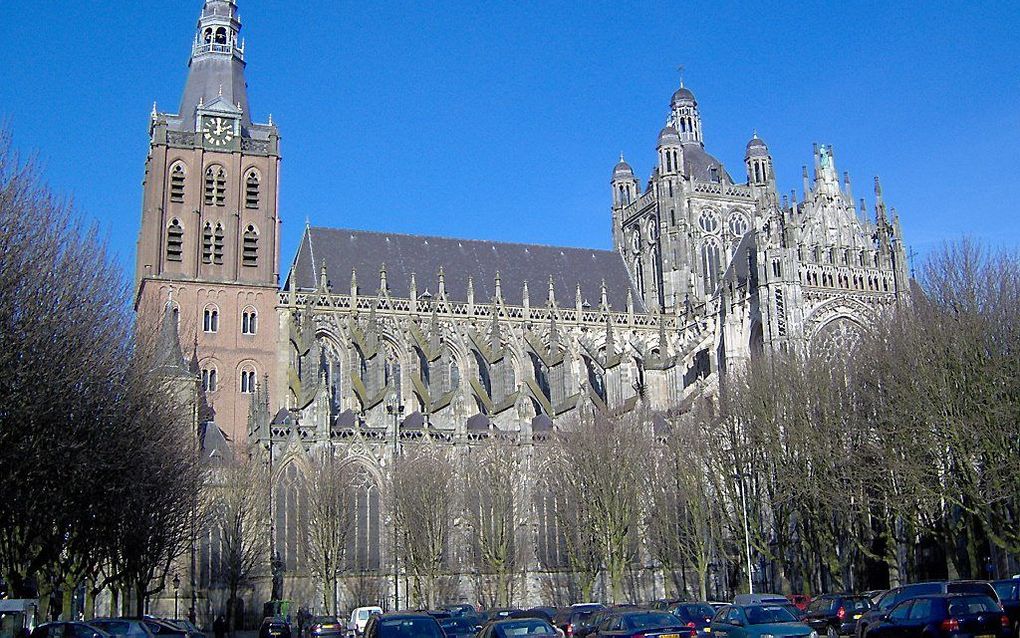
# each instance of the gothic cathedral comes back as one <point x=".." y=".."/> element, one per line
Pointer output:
<point x="370" y="338"/>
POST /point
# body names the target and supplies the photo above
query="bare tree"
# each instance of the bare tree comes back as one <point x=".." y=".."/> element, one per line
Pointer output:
<point x="238" y="506"/>
<point x="685" y="520"/>
<point x="494" y="492"/>
<point x="601" y="463"/>
<point x="94" y="446"/>
<point x="423" y="499"/>
<point x="331" y="512"/>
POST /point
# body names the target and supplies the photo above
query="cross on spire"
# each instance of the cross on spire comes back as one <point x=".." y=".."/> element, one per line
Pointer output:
<point x="681" y="68"/>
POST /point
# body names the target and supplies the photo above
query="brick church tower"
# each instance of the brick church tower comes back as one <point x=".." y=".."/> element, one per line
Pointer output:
<point x="209" y="238"/>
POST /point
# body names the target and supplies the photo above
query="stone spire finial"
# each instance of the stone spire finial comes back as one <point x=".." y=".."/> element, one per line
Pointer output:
<point x="804" y="175"/>
<point x="578" y="301"/>
<point x="413" y="291"/>
<point x="384" y="286"/>
<point x="525" y="295"/>
<point x="499" y="287"/>
<point x="604" y="297"/>
<point x="442" y="282"/>
<point x="847" y="187"/>
<point x="552" y="293"/>
<point x="471" y="290"/>
<point x="155" y="112"/>
<point x="323" y="277"/>
<point x="354" y="282"/>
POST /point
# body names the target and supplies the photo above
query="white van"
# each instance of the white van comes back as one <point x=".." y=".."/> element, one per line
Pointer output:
<point x="359" y="618"/>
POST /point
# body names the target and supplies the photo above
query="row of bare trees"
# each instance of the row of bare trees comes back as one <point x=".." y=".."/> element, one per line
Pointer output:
<point x="98" y="466"/>
<point x="888" y="459"/>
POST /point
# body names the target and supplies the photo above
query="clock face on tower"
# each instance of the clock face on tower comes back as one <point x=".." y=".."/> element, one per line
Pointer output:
<point x="218" y="131"/>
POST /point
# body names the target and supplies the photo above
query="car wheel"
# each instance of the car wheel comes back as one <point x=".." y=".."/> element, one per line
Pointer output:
<point x="831" y="632"/>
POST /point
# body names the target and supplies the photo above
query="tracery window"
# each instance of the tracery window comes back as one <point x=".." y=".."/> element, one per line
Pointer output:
<point x="364" y="542"/>
<point x="174" y="241"/>
<point x="251" y="190"/>
<point x="837" y="339"/>
<point x="177" y="184"/>
<point x="215" y="186"/>
<point x="709" y="221"/>
<point x="738" y="224"/>
<point x="250" y="247"/>
<point x="291" y="506"/>
<point x="711" y="258"/>
<point x="551" y="543"/>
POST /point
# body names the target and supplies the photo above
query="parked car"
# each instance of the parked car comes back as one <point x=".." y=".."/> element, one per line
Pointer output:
<point x="518" y="628"/>
<point x="646" y="623"/>
<point x="835" y="615"/>
<point x="359" y="618"/>
<point x="759" y="621"/>
<point x="897" y="595"/>
<point x="459" y="626"/>
<point x="1009" y="596"/>
<point x="275" y="627"/>
<point x="596" y="619"/>
<point x="403" y="625"/>
<point x="122" y="627"/>
<point x="501" y="613"/>
<point x="574" y="621"/>
<point x="188" y="626"/>
<point x="461" y="609"/>
<point x="697" y="616"/>
<point x="321" y="626"/>
<point x="800" y="601"/>
<point x="943" y="616"/>
<point x="664" y="604"/>
<point x="68" y="630"/>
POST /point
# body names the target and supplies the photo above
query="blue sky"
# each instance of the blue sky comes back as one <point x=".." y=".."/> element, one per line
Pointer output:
<point x="503" y="120"/>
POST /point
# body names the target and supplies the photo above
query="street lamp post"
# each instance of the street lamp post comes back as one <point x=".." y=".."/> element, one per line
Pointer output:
<point x="747" y="533"/>
<point x="177" y="587"/>
<point x="396" y="409"/>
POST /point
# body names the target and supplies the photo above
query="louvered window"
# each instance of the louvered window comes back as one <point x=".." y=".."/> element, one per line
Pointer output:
<point x="177" y="184"/>
<point x="218" y="245"/>
<point x="251" y="190"/>
<point x="250" y="248"/>
<point x="174" y="241"/>
<point x="207" y="244"/>
<point x="215" y="186"/>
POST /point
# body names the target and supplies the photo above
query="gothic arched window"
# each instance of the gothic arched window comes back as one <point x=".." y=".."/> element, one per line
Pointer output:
<point x="291" y="506"/>
<point x="364" y="541"/>
<point x="249" y="321"/>
<point x="738" y="224"/>
<point x="174" y="241"/>
<point x="217" y="253"/>
<point x="551" y="547"/>
<point x="215" y="186"/>
<point x="250" y="247"/>
<point x="207" y="244"/>
<point x="177" y="183"/>
<point x="709" y="221"/>
<point x="711" y="258"/>
<point x="251" y="190"/>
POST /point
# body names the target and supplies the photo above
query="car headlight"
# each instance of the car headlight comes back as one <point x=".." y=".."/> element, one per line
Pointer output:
<point x="770" y="636"/>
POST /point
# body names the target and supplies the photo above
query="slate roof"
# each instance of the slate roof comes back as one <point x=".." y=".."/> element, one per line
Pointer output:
<point x="698" y="164"/>
<point x="344" y="250"/>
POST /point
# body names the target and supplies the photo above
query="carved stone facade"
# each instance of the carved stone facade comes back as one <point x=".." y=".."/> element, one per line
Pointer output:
<point x="376" y="341"/>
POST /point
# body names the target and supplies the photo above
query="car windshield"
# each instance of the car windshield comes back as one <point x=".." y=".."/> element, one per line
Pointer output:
<point x="652" y="620"/>
<point x="858" y="603"/>
<point x="409" y="628"/>
<point x="526" y="627"/>
<point x="581" y="617"/>
<point x="457" y="624"/>
<point x="767" y="614"/>
<point x="822" y="604"/>
<point x="970" y="605"/>
<point x="363" y="614"/>
<point x="694" y="612"/>
<point x="121" y="628"/>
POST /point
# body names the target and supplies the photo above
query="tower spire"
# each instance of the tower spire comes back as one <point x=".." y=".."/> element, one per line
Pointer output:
<point x="216" y="68"/>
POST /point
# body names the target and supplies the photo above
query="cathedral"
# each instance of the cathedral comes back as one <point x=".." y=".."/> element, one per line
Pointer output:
<point x="366" y="341"/>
